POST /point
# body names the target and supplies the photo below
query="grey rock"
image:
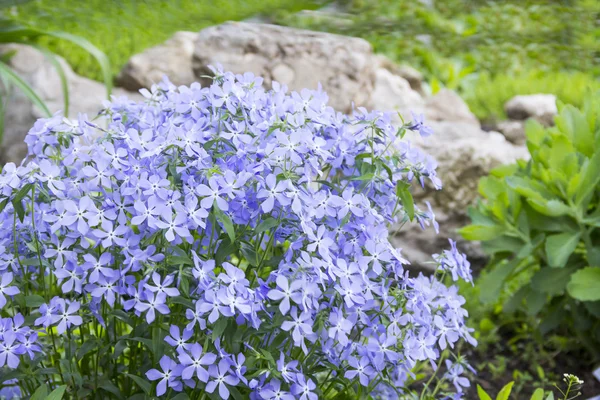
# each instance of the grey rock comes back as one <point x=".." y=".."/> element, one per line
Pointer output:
<point x="393" y="93"/>
<point x="541" y="107"/>
<point x="446" y="105"/>
<point x="513" y="131"/>
<point x="464" y="154"/>
<point x="85" y="96"/>
<point x="172" y="58"/>
<point x="298" y="58"/>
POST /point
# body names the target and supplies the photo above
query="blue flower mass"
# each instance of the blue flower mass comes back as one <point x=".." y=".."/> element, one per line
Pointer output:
<point x="227" y="241"/>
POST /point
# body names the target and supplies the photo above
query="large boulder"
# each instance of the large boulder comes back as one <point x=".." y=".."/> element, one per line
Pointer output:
<point x="298" y="58"/>
<point x="541" y="107"/>
<point x="85" y="96"/>
<point x="172" y="58"/>
<point x="393" y="93"/>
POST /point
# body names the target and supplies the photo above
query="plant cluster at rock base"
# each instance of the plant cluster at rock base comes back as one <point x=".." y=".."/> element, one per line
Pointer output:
<point x="222" y="242"/>
<point x="540" y="222"/>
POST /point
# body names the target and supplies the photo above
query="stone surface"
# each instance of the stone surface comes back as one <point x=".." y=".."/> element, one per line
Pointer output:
<point x="513" y="131"/>
<point x="301" y="59"/>
<point x="85" y="96"/>
<point x="172" y="58"/>
<point x="464" y="154"/>
<point x="393" y="93"/>
<point x="446" y="105"/>
<point x="541" y="107"/>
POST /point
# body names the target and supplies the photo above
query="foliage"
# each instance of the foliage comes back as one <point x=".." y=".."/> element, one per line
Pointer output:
<point x="540" y="223"/>
<point x="487" y="95"/>
<point x="124" y="28"/>
<point x="223" y="240"/>
<point x="486" y="50"/>
<point x="573" y="385"/>
<point x="12" y="32"/>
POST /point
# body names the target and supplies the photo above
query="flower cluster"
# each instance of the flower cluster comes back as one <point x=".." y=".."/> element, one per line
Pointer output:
<point x="226" y="240"/>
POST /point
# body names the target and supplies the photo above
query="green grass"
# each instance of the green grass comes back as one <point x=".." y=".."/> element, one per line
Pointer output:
<point x="124" y="28"/>
<point x="486" y="50"/>
<point x="487" y="95"/>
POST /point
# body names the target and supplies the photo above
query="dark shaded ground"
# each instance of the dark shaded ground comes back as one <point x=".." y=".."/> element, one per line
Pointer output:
<point x="516" y="357"/>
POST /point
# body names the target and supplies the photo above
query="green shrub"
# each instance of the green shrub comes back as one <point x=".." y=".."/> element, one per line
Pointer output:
<point x="540" y="223"/>
<point x="571" y="391"/>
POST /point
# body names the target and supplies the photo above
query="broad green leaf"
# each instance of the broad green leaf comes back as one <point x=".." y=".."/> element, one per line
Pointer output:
<point x="534" y="301"/>
<point x="403" y="192"/>
<point x="505" y="392"/>
<point x="529" y="188"/>
<point x="219" y="328"/>
<point x="538" y="394"/>
<point x="226" y="221"/>
<point x="265" y="225"/>
<point x="491" y="283"/>
<point x="559" y="247"/>
<point x="535" y="133"/>
<point x="482" y="394"/>
<point x="552" y="208"/>
<point x="550" y="396"/>
<point x="585" y="284"/>
<point x="502" y="244"/>
<point x="141" y="382"/>
<point x="551" y="281"/>
<point x="87" y="347"/>
<point x="34" y="300"/>
<point x="481" y="232"/>
<point x="57" y="394"/>
<point x="591" y="179"/>
<point x="40" y="394"/>
<point x="23" y="86"/>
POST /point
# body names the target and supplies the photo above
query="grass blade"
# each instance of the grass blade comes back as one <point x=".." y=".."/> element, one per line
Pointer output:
<point x="17" y="81"/>
<point x="93" y="50"/>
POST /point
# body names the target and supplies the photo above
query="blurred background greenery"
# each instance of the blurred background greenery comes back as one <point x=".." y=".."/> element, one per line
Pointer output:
<point x="487" y="50"/>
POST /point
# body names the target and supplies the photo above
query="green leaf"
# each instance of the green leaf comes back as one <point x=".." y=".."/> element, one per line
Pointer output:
<point x="550" y="396"/>
<point x="585" y="284"/>
<point x="538" y="394"/>
<point x="87" y="347"/>
<point x="591" y="179"/>
<point x="265" y="225"/>
<point x="482" y="394"/>
<point x="141" y="382"/>
<point x="100" y="57"/>
<point x="491" y="283"/>
<point x="40" y="394"/>
<point x="505" y="392"/>
<point x="219" y="328"/>
<point x="57" y="394"/>
<point x="560" y="247"/>
<point x="481" y="232"/>
<point x="534" y="301"/>
<point x="34" y="300"/>
<point x="226" y="221"/>
<point x="225" y="249"/>
<point x="249" y="253"/>
<point x="23" y="86"/>
<point x="403" y="192"/>
<point x="552" y="281"/>
<point x="551" y="208"/>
